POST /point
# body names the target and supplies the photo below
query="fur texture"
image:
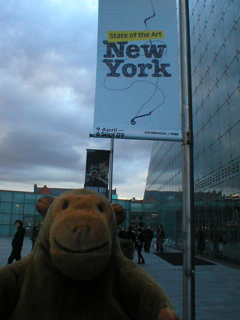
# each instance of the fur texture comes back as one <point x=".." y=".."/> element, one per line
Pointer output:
<point x="77" y="270"/>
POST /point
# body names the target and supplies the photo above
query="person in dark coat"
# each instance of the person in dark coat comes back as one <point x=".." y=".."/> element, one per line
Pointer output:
<point x="17" y="242"/>
<point x="34" y="235"/>
<point x="200" y="240"/>
<point x="130" y="234"/>
<point x="122" y="233"/>
<point x="160" y="238"/>
<point x="148" y="239"/>
<point x="139" y="244"/>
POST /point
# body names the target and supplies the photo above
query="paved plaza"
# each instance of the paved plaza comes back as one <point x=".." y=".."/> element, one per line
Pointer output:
<point x="217" y="287"/>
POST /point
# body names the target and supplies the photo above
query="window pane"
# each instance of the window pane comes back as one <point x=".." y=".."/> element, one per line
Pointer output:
<point x="17" y="208"/>
<point x="28" y="224"/>
<point x="5" y="219"/>
<point x="6" y="207"/>
<point x="4" y="231"/>
<point x="18" y="197"/>
<point x="30" y="198"/>
<point x="6" y="196"/>
<point x="29" y="209"/>
<point x="14" y="218"/>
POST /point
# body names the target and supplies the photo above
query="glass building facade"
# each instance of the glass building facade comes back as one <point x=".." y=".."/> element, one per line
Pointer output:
<point x="16" y="205"/>
<point x="215" y="66"/>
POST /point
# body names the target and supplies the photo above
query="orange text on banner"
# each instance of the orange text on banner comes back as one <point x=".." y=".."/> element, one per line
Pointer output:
<point x="120" y="36"/>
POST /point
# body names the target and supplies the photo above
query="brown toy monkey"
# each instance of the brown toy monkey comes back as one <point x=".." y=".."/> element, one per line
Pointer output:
<point x="77" y="271"/>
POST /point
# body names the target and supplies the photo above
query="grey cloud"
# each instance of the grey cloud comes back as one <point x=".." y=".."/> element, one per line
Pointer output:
<point x="47" y="91"/>
<point x="24" y="148"/>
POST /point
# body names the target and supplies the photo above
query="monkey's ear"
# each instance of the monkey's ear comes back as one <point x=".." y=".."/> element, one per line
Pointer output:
<point x="43" y="204"/>
<point x="119" y="212"/>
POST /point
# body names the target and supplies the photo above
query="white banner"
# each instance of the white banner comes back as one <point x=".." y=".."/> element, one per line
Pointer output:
<point x="137" y="85"/>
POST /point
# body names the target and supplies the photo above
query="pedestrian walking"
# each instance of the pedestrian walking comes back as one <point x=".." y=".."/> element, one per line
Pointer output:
<point x="139" y="244"/>
<point x="34" y="235"/>
<point x="160" y="238"/>
<point x="148" y="239"/>
<point x="17" y="242"/>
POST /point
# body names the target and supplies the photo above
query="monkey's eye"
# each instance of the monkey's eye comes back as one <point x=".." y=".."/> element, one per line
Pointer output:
<point x="65" y="205"/>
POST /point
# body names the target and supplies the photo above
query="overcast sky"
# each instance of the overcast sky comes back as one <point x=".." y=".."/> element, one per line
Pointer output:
<point x="47" y="91"/>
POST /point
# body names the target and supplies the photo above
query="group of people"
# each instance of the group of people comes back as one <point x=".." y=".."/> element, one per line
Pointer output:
<point x="17" y="242"/>
<point x="143" y="238"/>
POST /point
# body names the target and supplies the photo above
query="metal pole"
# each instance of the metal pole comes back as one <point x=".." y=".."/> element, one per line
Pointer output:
<point x="111" y="170"/>
<point x="188" y="190"/>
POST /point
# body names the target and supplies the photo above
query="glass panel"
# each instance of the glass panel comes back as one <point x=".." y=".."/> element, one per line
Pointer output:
<point x="31" y="197"/>
<point x="5" y="231"/>
<point x="17" y="208"/>
<point x="5" y="219"/>
<point x="234" y="110"/>
<point x="38" y="220"/>
<point x="28" y="224"/>
<point x="122" y="203"/>
<point x="6" y="207"/>
<point x="6" y="196"/>
<point x="15" y="217"/>
<point x="136" y="206"/>
<point x="29" y="209"/>
<point x="18" y="197"/>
